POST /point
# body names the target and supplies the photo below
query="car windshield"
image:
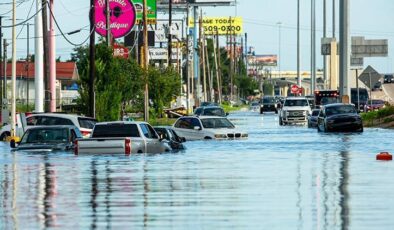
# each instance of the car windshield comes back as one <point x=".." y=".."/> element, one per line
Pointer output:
<point x="344" y="109"/>
<point x="255" y="103"/>
<point x="87" y="123"/>
<point x="296" y="102"/>
<point x="216" y="123"/>
<point x="213" y="112"/>
<point x="268" y="100"/>
<point x="45" y="136"/>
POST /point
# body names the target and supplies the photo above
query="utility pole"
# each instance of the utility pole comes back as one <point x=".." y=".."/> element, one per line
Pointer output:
<point x="299" y="80"/>
<point x="202" y="54"/>
<point x="92" y="70"/>
<point x="46" y="55"/>
<point x="27" y="65"/>
<point x="1" y="64"/>
<point x="38" y="61"/>
<point x="313" y="46"/>
<point x="231" y="63"/>
<point x="201" y="60"/>
<point x="52" y="60"/>
<point x="218" y="69"/>
<point x="279" y="54"/>
<point x="4" y="95"/>
<point x="246" y="54"/>
<point x="169" y="35"/>
<point x="108" y="22"/>
<point x="333" y="18"/>
<point x="196" y="61"/>
<point x="13" y="79"/>
<point x="344" y="57"/>
<point x="325" y="72"/>
<point x="145" y="61"/>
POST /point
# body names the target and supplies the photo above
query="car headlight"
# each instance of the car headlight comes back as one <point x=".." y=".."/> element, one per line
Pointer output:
<point x="244" y="135"/>
<point x="220" y="135"/>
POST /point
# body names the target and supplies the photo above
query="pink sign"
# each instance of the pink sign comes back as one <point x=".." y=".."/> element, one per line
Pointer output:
<point x="122" y="17"/>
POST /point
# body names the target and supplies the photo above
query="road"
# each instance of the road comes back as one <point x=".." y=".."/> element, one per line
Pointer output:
<point x="281" y="177"/>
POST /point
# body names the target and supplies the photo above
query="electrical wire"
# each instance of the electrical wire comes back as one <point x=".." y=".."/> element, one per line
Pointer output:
<point x="21" y="23"/>
<point x="28" y="14"/>
<point x="19" y="4"/>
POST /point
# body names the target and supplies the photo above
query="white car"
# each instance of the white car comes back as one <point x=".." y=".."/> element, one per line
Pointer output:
<point x="207" y="127"/>
<point x="84" y="124"/>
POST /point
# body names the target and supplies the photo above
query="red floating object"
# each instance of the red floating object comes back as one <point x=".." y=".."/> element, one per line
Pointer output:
<point x="384" y="156"/>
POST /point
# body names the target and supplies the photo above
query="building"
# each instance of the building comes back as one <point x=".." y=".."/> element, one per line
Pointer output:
<point x="66" y="77"/>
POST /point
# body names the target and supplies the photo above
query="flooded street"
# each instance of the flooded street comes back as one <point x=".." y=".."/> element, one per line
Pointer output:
<point x="281" y="177"/>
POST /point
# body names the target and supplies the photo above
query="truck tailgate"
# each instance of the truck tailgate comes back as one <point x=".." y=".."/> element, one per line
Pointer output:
<point x="101" y="146"/>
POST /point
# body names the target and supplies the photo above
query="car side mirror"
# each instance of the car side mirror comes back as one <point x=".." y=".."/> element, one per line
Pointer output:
<point x="197" y="128"/>
<point x="161" y="137"/>
<point x="13" y="144"/>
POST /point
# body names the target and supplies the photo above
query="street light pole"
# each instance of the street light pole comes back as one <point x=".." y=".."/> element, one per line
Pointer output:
<point x="13" y="79"/>
<point x="279" y="53"/>
<point x="299" y="82"/>
<point x="313" y="46"/>
<point x="146" y="60"/>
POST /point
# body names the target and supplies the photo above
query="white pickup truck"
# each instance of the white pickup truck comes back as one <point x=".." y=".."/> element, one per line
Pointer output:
<point x="121" y="138"/>
<point x="294" y="110"/>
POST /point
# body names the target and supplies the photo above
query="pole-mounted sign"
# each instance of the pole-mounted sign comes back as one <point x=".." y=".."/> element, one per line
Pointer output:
<point x="122" y="17"/>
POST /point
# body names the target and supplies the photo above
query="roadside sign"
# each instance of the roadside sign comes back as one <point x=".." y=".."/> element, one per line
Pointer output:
<point x="369" y="48"/>
<point x="162" y="29"/>
<point x="151" y="14"/>
<point x="162" y="54"/>
<point x="120" y="51"/>
<point x="221" y="25"/>
<point x="122" y="19"/>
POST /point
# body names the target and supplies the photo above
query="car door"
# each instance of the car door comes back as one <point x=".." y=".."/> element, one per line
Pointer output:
<point x="184" y="128"/>
<point x="196" y="130"/>
<point x="320" y="120"/>
<point x="153" y="144"/>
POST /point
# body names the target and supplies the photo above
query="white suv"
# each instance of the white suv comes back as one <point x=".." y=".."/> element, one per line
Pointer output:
<point x="294" y="110"/>
<point x="85" y="124"/>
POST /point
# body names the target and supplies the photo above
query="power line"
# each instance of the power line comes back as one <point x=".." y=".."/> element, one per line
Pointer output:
<point x="28" y="14"/>
<point x="21" y="23"/>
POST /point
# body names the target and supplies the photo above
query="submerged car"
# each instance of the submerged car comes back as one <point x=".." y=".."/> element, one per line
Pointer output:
<point x="173" y="139"/>
<point x="339" y="118"/>
<point x="207" y="127"/>
<point x="312" y="118"/>
<point x="255" y="106"/>
<point x="48" y="138"/>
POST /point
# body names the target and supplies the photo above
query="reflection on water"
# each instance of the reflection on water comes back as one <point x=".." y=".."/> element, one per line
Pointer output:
<point x="280" y="178"/>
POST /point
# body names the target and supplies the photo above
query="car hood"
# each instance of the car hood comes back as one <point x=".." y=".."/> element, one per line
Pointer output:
<point x="291" y="108"/>
<point x="224" y="131"/>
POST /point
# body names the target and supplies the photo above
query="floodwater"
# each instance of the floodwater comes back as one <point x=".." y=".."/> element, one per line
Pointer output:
<point x="287" y="177"/>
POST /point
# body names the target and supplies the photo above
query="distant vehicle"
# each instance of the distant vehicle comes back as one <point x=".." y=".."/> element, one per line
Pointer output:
<point x="325" y="97"/>
<point x="311" y="101"/>
<point x="268" y="104"/>
<point x="294" y="110"/>
<point x="121" y="137"/>
<point x="388" y="78"/>
<point x="339" y="118"/>
<point x="255" y="106"/>
<point x="364" y="96"/>
<point x="207" y="127"/>
<point x="372" y="105"/>
<point x="48" y="138"/>
<point x="169" y="134"/>
<point x="210" y="111"/>
<point x="312" y="118"/>
<point x="84" y="124"/>
<point x="203" y="104"/>
<point x="377" y="86"/>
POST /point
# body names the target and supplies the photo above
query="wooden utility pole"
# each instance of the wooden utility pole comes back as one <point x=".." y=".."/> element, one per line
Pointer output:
<point x="108" y="22"/>
<point x="208" y="70"/>
<point x="231" y="65"/>
<point x="219" y="76"/>
<point x="46" y="54"/>
<point x="145" y="61"/>
<point x="203" y="67"/>
<point x="92" y="66"/>
<point x="169" y="32"/>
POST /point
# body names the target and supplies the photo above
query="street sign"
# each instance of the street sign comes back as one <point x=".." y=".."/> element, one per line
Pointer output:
<point x="220" y="25"/>
<point x="162" y="29"/>
<point x="162" y="54"/>
<point x="370" y="77"/>
<point x="295" y="89"/>
<point x="369" y="48"/>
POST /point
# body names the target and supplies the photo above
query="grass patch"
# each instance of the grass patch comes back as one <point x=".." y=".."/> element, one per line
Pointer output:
<point x="228" y="108"/>
<point x="377" y="117"/>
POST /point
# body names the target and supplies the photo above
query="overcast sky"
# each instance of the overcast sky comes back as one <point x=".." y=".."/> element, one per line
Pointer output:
<point x="372" y="19"/>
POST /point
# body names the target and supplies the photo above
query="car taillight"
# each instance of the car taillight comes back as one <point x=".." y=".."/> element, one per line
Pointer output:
<point x="85" y="133"/>
<point x="127" y="149"/>
<point x="76" y="147"/>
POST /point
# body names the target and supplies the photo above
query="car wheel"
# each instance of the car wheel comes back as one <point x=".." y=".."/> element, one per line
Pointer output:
<point x="207" y="138"/>
<point x="276" y="111"/>
<point x="280" y="121"/>
<point x="309" y="125"/>
<point x="4" y="136"/>
<point x="261" y="111"/>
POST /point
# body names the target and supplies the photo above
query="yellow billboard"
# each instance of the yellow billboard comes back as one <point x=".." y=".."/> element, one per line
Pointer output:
<point x="220" y="25"/>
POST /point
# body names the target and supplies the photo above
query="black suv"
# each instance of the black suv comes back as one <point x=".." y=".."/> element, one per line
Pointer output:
<point x="268" y="104"/>
<point x="388" y="78"/>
